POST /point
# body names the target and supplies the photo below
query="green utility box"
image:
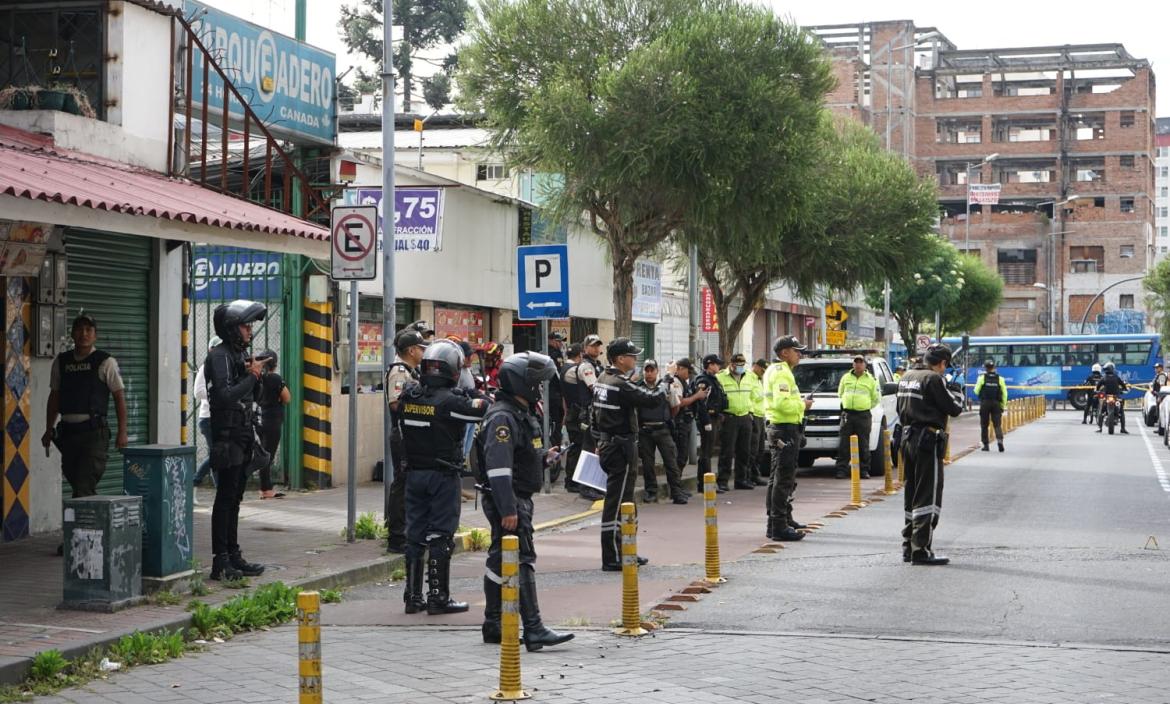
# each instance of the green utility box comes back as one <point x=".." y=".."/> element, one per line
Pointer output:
<point x="103" y="553"/>
<point x="161" y="475"/>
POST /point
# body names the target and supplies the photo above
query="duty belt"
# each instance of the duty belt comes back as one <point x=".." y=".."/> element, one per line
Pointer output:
<point x="852" y="410"/>
<point x="654" y="424"/>
<point x="925" y="428"/>
<point x="614" y="437"/>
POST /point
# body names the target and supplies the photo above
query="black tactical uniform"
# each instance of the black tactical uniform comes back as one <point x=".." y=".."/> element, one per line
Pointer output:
<point x="434" y="419"/>
<point x="708" y="416"/>
<point x="655" y="432"/>
<point x="510" y="457"/>
<point x="991" y="407"/>
<point x="1091" y="381"/>
<point x="615" y="402"/>
<point x="398" y="377"/>
<point x="235" y="451"/>
<point x="1112" y="385"/>
<point x="556" y="400"/>
<point x="925" y="401"/>
<point x="685" y="420"/>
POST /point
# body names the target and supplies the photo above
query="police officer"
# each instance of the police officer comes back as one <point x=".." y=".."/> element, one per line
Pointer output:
<point x="859" y="395"/>
<point x="579" y="379"/>
<point x="655" y="425"/>
<point x="577" y="401"/>
<point x="1091" y="381"/>
<point x="693" y="404"/>
<point x="713" y="407"/>
<point x="233" y="387"/>
<point x="991" y="390"/>
<point x="410" y="345"/>
<point x="556" y="401"/>
<point x="1112" y="385"/>
<point x="615" y="402"/>
<point x="1159" y="379"/>
<point x="760" y="463"/>
<point x="434" y="414"/>
<point x="735" y="437"/>
<point x="925" y="400"/>
<point x="511" y="453"/>
<point x="785" y="409"/>
<point x="81" y="383"/>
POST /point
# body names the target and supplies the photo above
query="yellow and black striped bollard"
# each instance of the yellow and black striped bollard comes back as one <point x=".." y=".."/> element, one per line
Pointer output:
<point x="631" y="616"/>
<point x="711" y="517"/>
<point x="510" y="688"/>
<point x="888" y="487"/>
<point x="309" y="640"/>
<point x="854" y="472"/>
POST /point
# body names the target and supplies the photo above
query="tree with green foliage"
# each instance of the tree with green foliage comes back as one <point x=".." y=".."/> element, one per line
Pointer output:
<point x="980" y="296"/>
<point x="425" y="24"/>
<point x="1157" y="287"/>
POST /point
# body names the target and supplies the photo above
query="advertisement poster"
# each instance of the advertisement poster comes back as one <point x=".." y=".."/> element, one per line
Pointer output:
<point x="709" y="318"/>
<point x="467" y="325"/>
<point x="369" y="343"/>
<point x="647" y="307"/>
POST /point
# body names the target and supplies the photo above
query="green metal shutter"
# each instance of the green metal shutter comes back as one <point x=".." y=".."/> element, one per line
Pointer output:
<point x="642" y="335"/>
<point x="109" y="278"/>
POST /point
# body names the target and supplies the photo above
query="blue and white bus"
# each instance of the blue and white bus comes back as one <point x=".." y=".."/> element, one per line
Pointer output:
<point x="1054" y="363"/>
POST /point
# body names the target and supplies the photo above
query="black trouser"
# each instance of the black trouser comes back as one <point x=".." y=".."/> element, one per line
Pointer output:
<point x="495" y="556"/>
<point x="1105" y="409"/>
<point x="85" y="449"/>
<point x="684" y="425"/>
<point x="761" y="460"/>
<point x="735" y="440"/>
<point x="854" y="423"/>
<point x="619" y="457"/>
<point x="556" y="421"/>
<point x="270" y="441"/>
<point x="659" y="437"/>
<point x="225" y="512"/>
<point x="922" y="450"/>
<point x="433" y="499"/>
<point x="782" y="483"/>
<point x="396" y="500"/>
<point x="990" y="414"/>
<point x="706" y="445"/>
<point x="577" y="426"/>
<point x="1091" y="408"/>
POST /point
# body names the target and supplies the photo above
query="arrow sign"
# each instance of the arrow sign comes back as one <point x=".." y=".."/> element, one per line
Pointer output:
<point x="543" y="281"/>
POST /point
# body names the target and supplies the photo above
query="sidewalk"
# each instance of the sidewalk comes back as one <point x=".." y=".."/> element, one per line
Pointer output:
<point x="298" y="537"/>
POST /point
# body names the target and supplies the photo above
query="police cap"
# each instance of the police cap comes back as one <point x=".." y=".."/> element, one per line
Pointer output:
<point x="619" y="347"/>
<point x="712" y="359"/>
<point x="785" y="342"/>
<point x="407" y="339"/>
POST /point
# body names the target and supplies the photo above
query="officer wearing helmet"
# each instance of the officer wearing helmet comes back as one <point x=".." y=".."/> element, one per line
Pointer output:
<point x="233" y="387"/>
<point x="616" y="401"/>
<point x="925" y="401"/>
<point x="435" y="413"/>
<point x="510" y="451"/>
<point x="1111" y="384"/>
<point x="1091" y="381"/>
<point x="410" y="345"/>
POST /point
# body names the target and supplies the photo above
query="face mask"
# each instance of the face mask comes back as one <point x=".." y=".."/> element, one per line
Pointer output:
<point x="739" y="369"/>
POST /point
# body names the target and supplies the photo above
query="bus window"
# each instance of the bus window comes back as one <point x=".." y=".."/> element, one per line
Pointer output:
<point x="1111" y="352"/>
<point x="1050" y="355"/>
<point x="1138" y="353"/>
<point x="1082" y="355"/>
<point x="994" y="353"/>
<point x="1023" y="355"/>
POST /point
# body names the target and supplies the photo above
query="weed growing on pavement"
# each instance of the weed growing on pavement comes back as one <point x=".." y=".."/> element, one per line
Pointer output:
<point x="330" y="596"/>
<point x="198" y="586"/>
<point x="47" y="664"/>
<point x="166" y="598"/>
<point x="140" y="648"/>
<point x="397" y="574"/>
<point x="368" y="527"/>
<point x="241" y="583"/>
<point x="576" y="622"/>
<point x="480" y="539"/>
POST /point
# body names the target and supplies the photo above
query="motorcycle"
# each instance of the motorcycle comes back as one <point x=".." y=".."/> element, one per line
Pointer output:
<point x="1109" y="411"/>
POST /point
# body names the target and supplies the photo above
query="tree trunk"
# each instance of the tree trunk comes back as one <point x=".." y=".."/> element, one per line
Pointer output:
<point x="405" y="74"/>
<point x="623" y="295"/>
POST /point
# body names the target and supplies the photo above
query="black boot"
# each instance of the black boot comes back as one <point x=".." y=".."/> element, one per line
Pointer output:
<point x="222" y="570"/>
<point x="248" y="569"/>
<point x="491" y="611"/>
<point x="611" y="560"/>
<point x="412" y="594"/>
<point x="439" y="599"/>
<point x="536" y="634"/>
<point x="771" y="527"/>
<point x="795" y="525"/>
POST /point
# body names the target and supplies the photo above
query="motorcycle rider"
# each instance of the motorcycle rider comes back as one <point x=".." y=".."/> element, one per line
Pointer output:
<point x="233" y="387"/>
<point x="1091" y="381"/>
<point x="1112" y="385"/>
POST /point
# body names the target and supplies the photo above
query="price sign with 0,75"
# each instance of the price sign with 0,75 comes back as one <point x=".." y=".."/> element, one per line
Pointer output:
<point x="418" y="215"/>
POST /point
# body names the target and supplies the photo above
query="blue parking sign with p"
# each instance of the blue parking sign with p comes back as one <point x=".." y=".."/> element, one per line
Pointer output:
<point x="542" y="272"/>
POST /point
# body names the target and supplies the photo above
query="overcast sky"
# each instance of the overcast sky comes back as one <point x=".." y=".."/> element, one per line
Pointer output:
<point x="970" y="25"/>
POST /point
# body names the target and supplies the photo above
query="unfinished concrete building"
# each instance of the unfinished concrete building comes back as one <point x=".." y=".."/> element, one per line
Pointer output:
<point x="1067" y="132"/>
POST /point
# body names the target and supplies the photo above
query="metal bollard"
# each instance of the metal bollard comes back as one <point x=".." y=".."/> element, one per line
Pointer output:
<point x="309" y="646"/>
<point x="854" y="472"/>
<point x="631" y="616"/>
<point x="510" y="689"/>
<point x="888" y="488"/>
<point x="711" y="517"/>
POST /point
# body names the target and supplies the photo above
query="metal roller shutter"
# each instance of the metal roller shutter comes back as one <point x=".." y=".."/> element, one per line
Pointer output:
<point x="109" y="278"/>
<point x="642" y="335"/>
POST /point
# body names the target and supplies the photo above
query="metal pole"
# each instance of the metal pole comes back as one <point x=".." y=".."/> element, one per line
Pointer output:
<point x="937" y="326"/>
<point x="825" y="323"/>
<point x="693" y="290"/>
<point x="967" y="237"/>
<point x="1052" y="271"/>
<point x="886" y="313"/>
<point x="545" y="401"/>
<point x="351" y="473"/>
<point x="1085" y="317"/>
<point x="388" y="302"/>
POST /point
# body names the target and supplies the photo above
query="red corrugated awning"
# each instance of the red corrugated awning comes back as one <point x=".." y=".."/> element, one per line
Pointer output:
<point x="32" y="167"/>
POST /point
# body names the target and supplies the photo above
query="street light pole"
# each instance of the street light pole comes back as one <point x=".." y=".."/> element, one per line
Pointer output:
<point x="1102" y="292"/>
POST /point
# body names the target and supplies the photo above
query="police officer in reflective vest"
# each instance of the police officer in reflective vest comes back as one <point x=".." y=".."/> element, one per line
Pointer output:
<point x="993" y="397"/>
<point x="510" y="454"/>
<point x="616" y="400"/>
<point x="858" y="393"/>
<point x="81" y="383"/>
<point x="233" y="387"/>
<point x="410" y="344"/>
<point x="434" y="416"/>
<point x="742" y="388"/>
<point x="785" y="409"/>
<point x="925" y="401"/>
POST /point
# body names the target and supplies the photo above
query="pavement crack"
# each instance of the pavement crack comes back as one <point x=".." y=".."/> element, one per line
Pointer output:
<point x="787" y="612"/>
<point x="1013" y="607"/>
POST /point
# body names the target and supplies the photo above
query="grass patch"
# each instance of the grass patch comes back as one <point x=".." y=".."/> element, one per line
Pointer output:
<point x="330" y="596"/>
<point x="480" y="539"/>
<point x="368" y="527"/>
<point x="397" y="574"/>
<point x="241" y="583"/>
<point x="166" y="598"/>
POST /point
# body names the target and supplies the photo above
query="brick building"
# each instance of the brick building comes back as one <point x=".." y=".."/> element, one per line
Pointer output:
<point x="1162" y="184"/>
<point x="1069" y="133"/>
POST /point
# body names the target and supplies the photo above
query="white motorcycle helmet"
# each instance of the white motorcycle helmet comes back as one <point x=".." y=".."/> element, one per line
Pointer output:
<point x="1097" y="368"/>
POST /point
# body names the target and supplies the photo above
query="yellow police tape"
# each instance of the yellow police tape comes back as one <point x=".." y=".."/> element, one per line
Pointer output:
<point x="1138" y="387"/>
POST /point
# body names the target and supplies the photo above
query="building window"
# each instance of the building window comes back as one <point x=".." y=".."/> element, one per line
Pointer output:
<point x="1126" y="251"/>
<point x="1164" y="212"/>
<point x="1127" y="161"/>
<point x="1017" y="267"/>
<point x="1163" y="172"/>
<point x="1163" y="192"/>
<point x="1127" y="118"/>
<point x="490" y="172"/>
<point x="62" y="44"/>
<point x="1127" y="205"/>
<point x="1126" y="301"/>
<point x="1086" y="259"/>
<point x="1164" y="249"/>
<point x="1162" y="231"/>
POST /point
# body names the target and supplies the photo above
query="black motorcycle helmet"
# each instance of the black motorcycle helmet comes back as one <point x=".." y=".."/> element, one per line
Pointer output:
<point x="521" y="374"/>
<point x="229" y="317"/>
<point x="441" y="364"/>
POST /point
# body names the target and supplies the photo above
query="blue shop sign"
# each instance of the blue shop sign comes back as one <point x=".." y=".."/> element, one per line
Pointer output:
<point x="288" y="84"/>
<point x="228" y="273"/>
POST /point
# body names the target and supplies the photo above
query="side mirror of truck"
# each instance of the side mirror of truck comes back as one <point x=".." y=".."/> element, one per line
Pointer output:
<point x="889" y="388"/>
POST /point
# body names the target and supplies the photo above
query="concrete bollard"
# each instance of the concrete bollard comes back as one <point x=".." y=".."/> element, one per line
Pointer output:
<point x="854" y="472"/>
<point x="888" y="488"/>
<point x="309" y="647"/>
<point x="510" y="688"/>
<point x="631" y="615"/>
<point x="711" y="518"/>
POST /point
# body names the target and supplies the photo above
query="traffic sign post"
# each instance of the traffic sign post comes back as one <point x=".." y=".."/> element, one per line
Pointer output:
<point x="835" y="315"/>
<point x="543" y="278"/>
<point x="922" y="343"/>
<point x="354" y="257"/>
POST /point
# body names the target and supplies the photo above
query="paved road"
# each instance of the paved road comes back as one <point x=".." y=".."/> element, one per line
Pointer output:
<point x="1052" y="597"/>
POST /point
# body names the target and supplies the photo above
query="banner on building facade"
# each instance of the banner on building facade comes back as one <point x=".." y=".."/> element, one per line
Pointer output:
<point x="983" y="193"/>
<point x="710" y="318"/>
<point x="647" y="307"/>
<point x="287" y="83"/>
<point x="418" y="216"/>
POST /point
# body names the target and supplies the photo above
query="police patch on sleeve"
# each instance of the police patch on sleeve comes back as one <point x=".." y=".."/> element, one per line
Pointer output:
<point x="503" y="434"/>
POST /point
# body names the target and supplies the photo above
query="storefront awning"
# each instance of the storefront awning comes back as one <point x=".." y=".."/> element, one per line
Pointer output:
<point x="31" y="167"/>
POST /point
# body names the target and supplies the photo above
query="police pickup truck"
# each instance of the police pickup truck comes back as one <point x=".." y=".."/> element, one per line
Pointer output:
<point x="819" y="374"/>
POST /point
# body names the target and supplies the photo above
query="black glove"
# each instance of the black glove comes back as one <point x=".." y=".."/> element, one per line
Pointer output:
<point x="955" y="387"/>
